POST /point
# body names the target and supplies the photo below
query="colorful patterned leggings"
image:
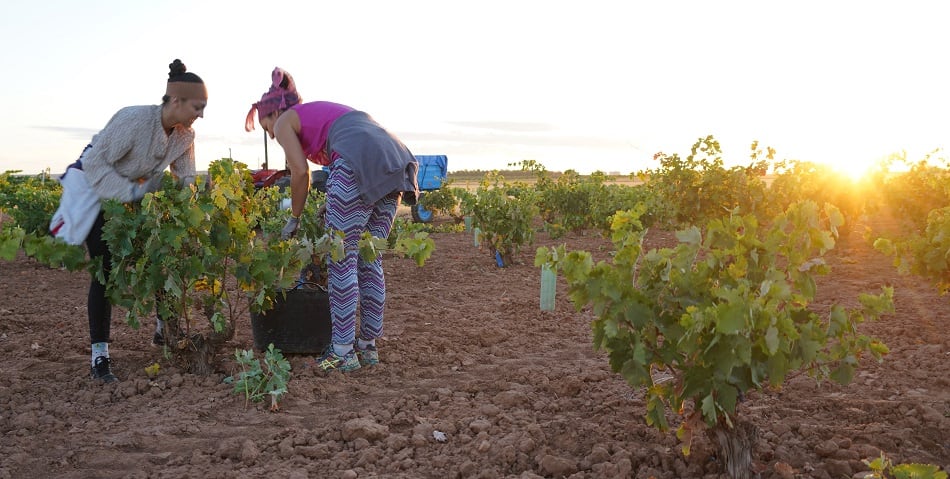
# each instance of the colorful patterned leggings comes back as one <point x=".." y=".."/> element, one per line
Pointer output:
<point x="352" y="279"/>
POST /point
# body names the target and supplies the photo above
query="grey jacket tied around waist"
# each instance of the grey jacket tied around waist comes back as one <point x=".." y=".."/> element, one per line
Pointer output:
<point x="380" y="162"/>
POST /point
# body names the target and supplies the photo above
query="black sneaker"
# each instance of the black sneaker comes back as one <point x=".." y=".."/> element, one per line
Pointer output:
<point x="102" y="371"/>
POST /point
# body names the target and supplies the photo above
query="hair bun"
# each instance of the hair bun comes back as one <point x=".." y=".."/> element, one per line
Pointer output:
<point x="176" y="68"/>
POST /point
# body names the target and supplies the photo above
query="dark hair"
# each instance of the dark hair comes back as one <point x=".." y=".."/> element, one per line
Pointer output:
<point x="178" y="72"/>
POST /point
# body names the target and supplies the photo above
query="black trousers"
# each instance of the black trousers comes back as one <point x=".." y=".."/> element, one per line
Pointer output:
<point x="98" y="305"/>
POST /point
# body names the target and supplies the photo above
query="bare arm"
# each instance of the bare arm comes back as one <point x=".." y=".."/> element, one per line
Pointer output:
<point x="286" y="130"/>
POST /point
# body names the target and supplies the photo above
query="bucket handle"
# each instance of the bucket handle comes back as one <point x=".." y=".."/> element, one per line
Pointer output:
<point x="310" y="284"/>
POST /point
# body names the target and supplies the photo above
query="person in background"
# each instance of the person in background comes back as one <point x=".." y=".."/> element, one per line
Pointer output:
<point x="370" y="169"/>
<point x="126" y="160"/>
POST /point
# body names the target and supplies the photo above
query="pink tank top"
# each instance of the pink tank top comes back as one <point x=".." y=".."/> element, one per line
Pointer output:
<point x="316" y="118"/>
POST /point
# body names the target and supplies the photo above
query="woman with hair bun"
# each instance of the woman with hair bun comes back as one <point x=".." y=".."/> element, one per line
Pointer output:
<point x="126" y="160"/>
<point x="370" y="169"/>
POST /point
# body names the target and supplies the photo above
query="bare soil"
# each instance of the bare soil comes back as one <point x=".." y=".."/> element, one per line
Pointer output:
<point x="517" y="392"/>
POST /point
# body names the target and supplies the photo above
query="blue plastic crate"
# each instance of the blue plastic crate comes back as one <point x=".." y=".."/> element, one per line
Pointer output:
<point x="433" y="170"/>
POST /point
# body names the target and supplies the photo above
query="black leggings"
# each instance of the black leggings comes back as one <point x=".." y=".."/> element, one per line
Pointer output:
<point x="98" y="305"/>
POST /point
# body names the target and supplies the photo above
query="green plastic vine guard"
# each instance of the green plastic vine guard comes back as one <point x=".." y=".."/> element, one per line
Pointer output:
<point x="548" y="282"/>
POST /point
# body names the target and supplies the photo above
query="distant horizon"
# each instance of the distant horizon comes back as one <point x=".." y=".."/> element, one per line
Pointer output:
<point x="471" y="162"/>
<point x="770" y="174"/>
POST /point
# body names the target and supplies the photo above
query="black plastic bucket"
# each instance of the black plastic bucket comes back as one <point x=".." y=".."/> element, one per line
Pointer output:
<point x="299" y="322"/>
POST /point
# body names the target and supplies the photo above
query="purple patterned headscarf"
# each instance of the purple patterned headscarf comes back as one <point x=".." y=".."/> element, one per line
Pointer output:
<point x="281" y="96"/>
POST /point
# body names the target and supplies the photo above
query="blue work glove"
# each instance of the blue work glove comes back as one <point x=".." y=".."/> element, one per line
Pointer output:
<point x="290" y="229"/>
<point x="139" y="190"/>
<point x="145" y="185"/>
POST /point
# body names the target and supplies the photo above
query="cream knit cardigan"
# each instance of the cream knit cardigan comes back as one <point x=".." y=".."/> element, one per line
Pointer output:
<point x="133" y="148"/>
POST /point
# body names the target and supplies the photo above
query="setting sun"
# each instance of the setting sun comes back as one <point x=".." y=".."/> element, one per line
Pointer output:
<point x="854" y="169"/>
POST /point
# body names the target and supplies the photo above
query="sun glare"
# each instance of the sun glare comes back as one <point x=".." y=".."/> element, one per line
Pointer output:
<point x="854" y="169"/>
<point x="895" y="162"/>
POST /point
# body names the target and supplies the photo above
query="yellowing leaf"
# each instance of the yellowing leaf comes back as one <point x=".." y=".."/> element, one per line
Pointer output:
<point x="152" y="370"/>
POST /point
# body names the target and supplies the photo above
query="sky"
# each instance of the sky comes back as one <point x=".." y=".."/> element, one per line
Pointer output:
<point x="588" y="86"/>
